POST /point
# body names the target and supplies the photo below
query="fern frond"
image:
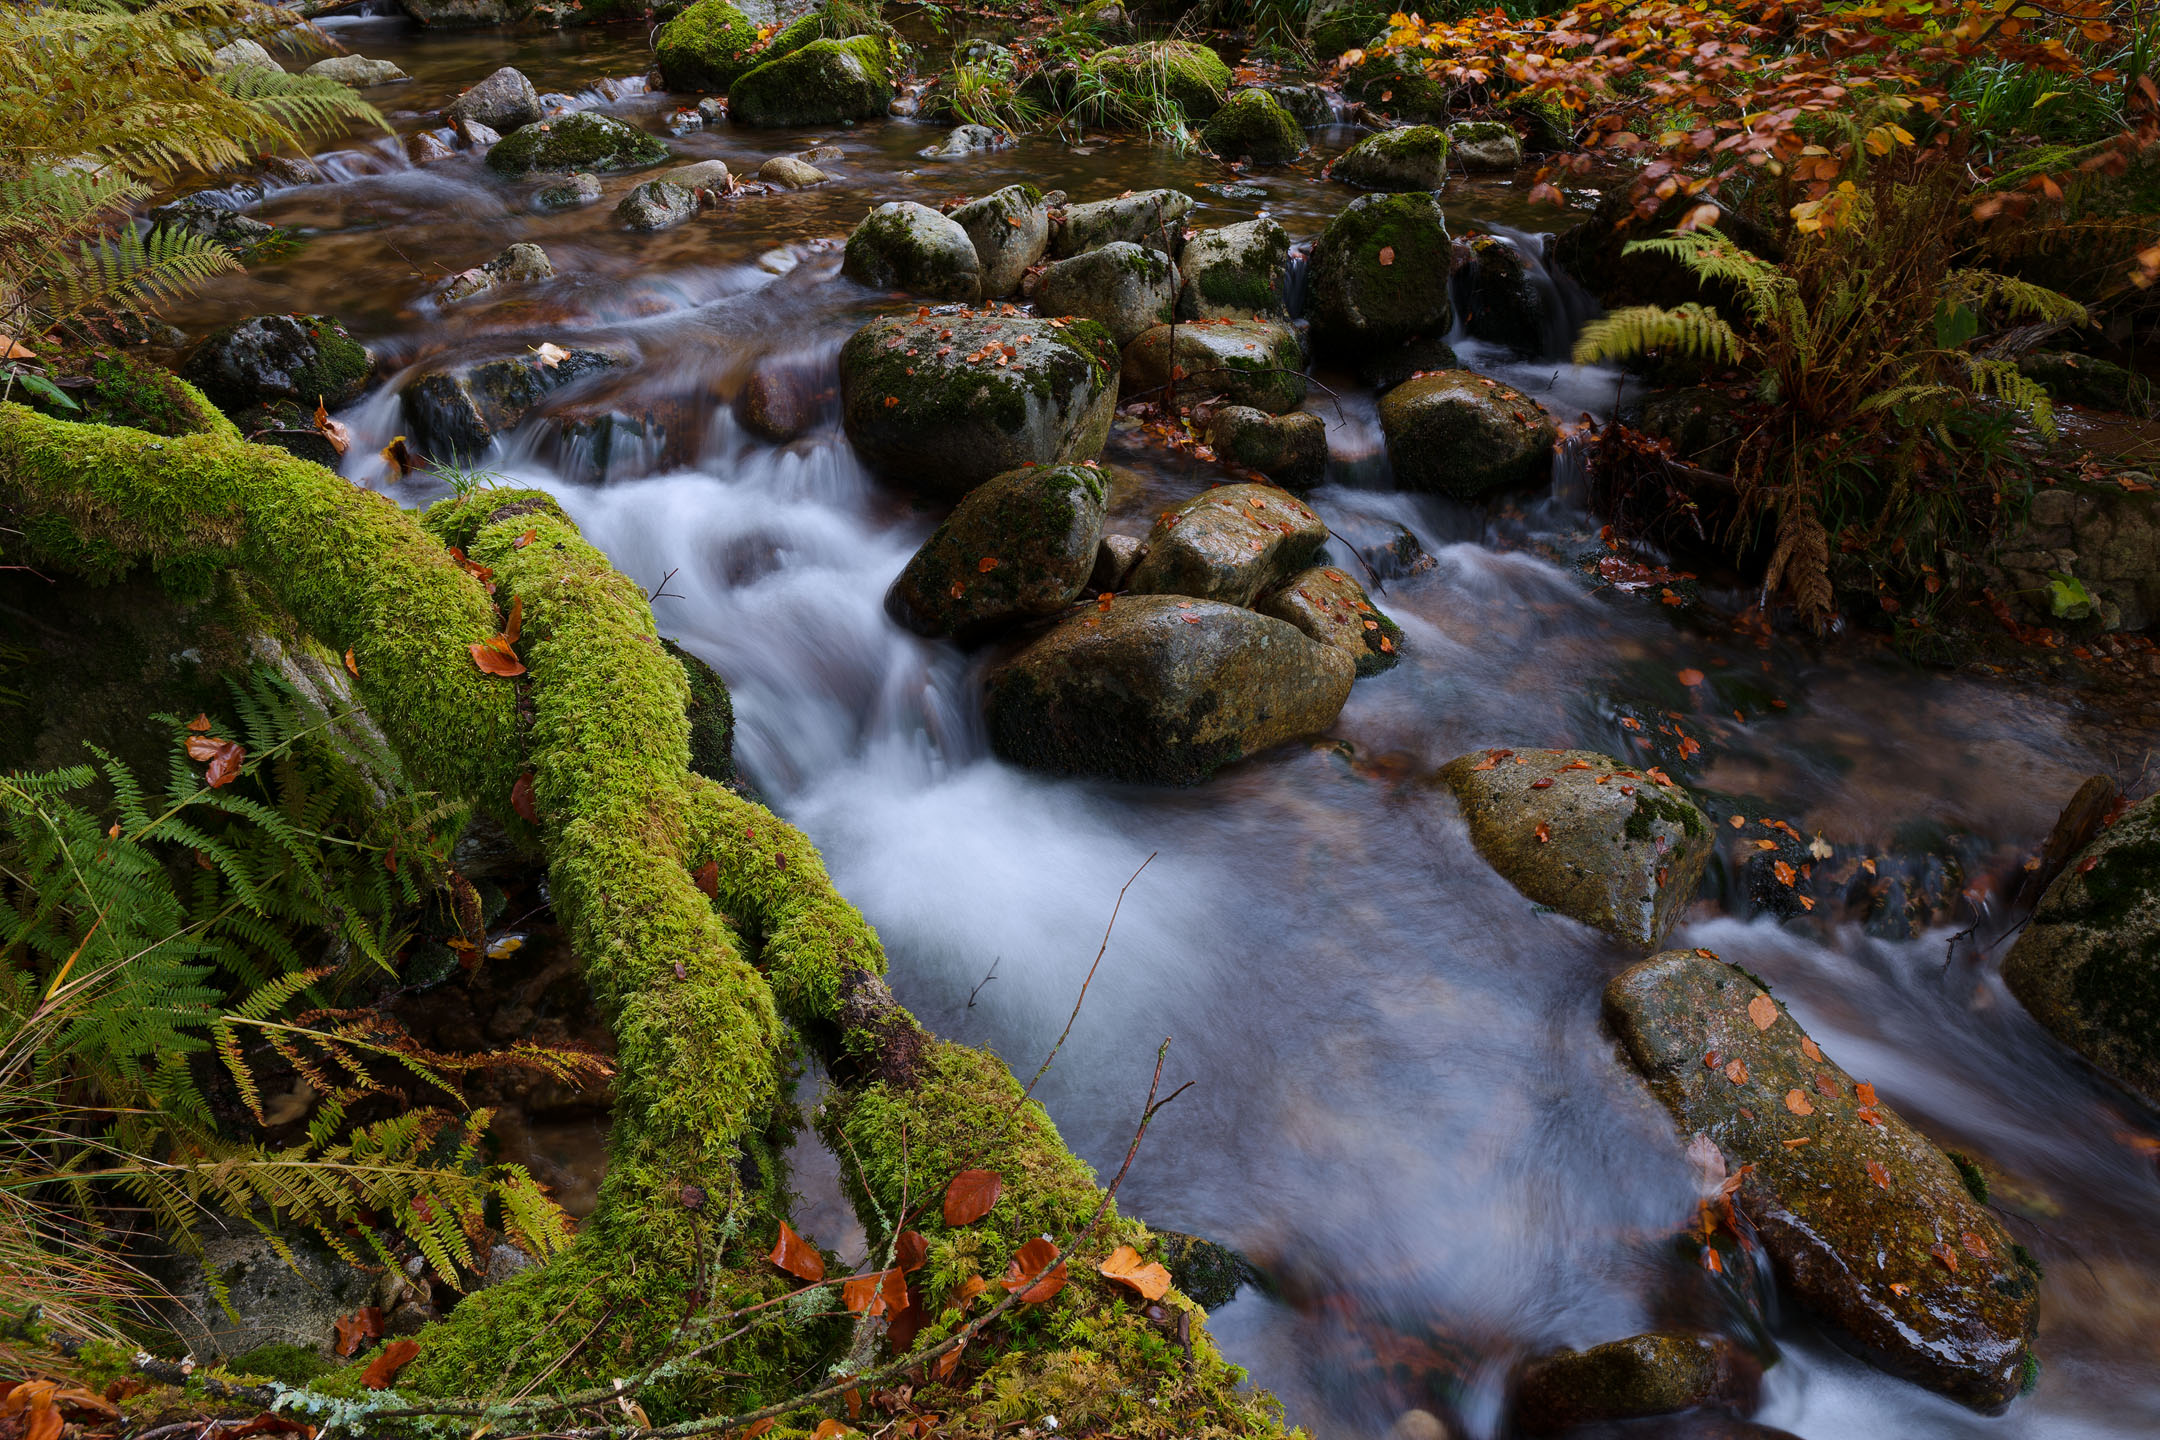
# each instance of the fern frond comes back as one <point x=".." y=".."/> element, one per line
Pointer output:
<point x="2013" y="388"/>
<point x="2020" y="299"/>
<point x="1690" y="329"/>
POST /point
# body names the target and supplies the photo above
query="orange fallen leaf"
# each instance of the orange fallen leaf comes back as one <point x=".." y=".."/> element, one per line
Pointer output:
<point x="357" y="1329"/>
<point x="1798" y="1103"/>
<point x="760" y="1427"/>
<point x="523" y="540"/>
<point x="1878" y="1173"/>
<point x="949" y="1362"/>
<point x="1809" y="1048"/>
<point x="1785" y="872"/>
<point x="987" y="564"/>
<point x="1796" y="1142"/>
<point x="911" y="1250"/>
<point x="395" y="1356"/>
<point x="881" y="1292"/>
<point x="1691" y="678"/>
<point x="971" y="1195"/>
<point x="1125" y="1267"/>
<point x="521" y="799"/>
<point x="797" y="1256"/>
<point x="1763" y="1011"/>
<point x="828" y="1428"/>
<point x="399" y="455"/>
<point x="1387" y="255"/>
<point x="200" y="725"/>
<point x="1544" y="833"/>
<point x="1946" y="1255"/>
<point x="1975" y="1245"/>
<point x="1032" y="1275"/>
<point x="707" y="879"/>
<point x="1736" y="1071"/>
<point x="495" y="657"/>
<point x="1825" y="1086"/>
<point x="352" y="665"/>
<point x="269" y="1423"/>
<point x="1865" y="1094"/>
<point x="969" y="1288"/>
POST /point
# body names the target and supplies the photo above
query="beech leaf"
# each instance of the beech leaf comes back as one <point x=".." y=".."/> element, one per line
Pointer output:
<point x="1763" y="1011"/>
<point x="495" y="658"/>
<point x="1125" y="1267"/>
<point x="1030" y="1261"/>
<point x="971" y="1195"/>
<point x="395" y="1356"/>
<point x="797" y="1256"/>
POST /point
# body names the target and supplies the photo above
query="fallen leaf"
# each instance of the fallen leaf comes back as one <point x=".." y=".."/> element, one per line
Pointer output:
<point x="1763" y="1011"/>
<point x="356" y="1329"/>
<point x="395" y="1356"/>
<point x="523" y="540"/>
<point x="969" y="1288"/>
<point x="881" y="1292"/>
<point x="399" y="455"/>
<point x="1784" y="872"/>
<point x="1821" y="849"/>
<point x="1877" y="1173"/>
<point x="1691" y="678"/>
<point x="352" y="664"/>
<point x="1031" y="1274"/>
<point x="225" y="757"/>
<point x="1865" y="1094"/>
<point x="797" y="1256"/>
<point x="1869" y="1115"/>
<point x="521" y="799"/>
<point x="516" y="624"/>
<point x="269" y="1423"/>
<point x="760" y="1427"/>
<point x="200" y="725"/>
<point x="202" y="747"/>
<point x="949" y="1362"/>
<point x="494" y="657"/>
<point x="707" y="879"/>
<point x="1387" y="255"/>
<point x="12" y="349"/>
<point x="1797" y="1141"/>
<point x="828" y="1428"/>
<point x="910" y="1250"/>
<point x="550" y="355"/>
<point x="1125" y="1267"/>
<point x="1946" y="1255"/>
<point x="1736" y="1071"/>
<point x="1544" y="833"/>
<point x="1975" y="1245"/>
<point x="1798" y="1103"/>
<point x="971" y="1195"/>
<point x="1809" y="1048"/>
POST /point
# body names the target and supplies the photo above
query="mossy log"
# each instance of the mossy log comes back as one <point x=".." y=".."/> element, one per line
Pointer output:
<point x="705" y="994"/>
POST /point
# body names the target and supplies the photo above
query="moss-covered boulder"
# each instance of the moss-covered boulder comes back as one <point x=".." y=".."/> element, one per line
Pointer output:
<point x="947" y="401"/>
<point x="1189" y="74"/>
<point x="1333" y="26"/>
<point x="1229" y="543"/>
<point x="1249" y="362"/>
<point x="1128" y="288"/>
<point x="1464" y="434"/>
<point x="824" y="83"/>
<point x="707" y="47"/>
<point x="657" y="205"/>
<point x="580" y="141"/>
<point x="1396" y="85"/>
<point x="1380" y="273"/>
<point x="1871" y="1227"/>
<point x="2088" y="965"/>
<point x="521" y="264"/>
<point x="1254" y="126"/>
<point x="2089" y="380"/>
<point x="1289" y="449"/>
<point x="1601" y="842"/>
<point x="906" y="246"/>
<point x="1504" y="301"/>
<point x="1234" y="272"/>
<point x="1486" y="145"/>
<point x="1412" y="158"/>
<point x="455" y="413"/>
<point x="1333" y="609"/>
<point x="1654" y="1374"/>
<point x="273" y="359"/>
<point x="1010" y="229"/>
<point x="1162" y="689"/>
<point x="1017" y="547"/>
<point x="1149" y="217"/>
<point x="503" y="102"/>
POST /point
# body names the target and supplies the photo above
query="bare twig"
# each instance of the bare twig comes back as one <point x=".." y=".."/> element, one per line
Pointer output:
<point x="662" y="592"/>
<point x="992" y="975"/>
<point x="1082" y="998"/>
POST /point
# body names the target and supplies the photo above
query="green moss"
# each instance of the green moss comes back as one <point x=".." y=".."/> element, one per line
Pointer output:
<point x="1191" y="75"/>
<point x="825" y="82"/>
<point x="712" y="717"/>
<point x="1653" y="804"/>
<point x="293" y="1364"/>
<point x="1969" y="1171"/>
<point x="1253" y="125"/>
<point x="1396" y="87"/>
<point x="580" y="141"/>
<point x="706" y="47"/>
<point x="125" y="390"/>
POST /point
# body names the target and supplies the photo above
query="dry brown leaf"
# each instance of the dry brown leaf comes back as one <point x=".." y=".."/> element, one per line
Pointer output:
<point x="1736" y="1071"/>
<point x="395" y="1356"/>
<point x="521" y="799"/>
<point x="797" y="1256"/>
<point x="1032" y="1275"/>
<point x="1865" y="1094"/>
<point x="1797" y="1102"/>
<point x="494" y="657"/>
<point x="971" y="1195"/>
<point x="1809" y="1048"/>
<point x="1763" y="1011"/>
<point x="910" y="1250"/>
<point x="1125" y="1267"/>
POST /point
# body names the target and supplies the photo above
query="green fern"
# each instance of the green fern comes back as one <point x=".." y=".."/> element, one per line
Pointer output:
<point x="1690" y="329"/>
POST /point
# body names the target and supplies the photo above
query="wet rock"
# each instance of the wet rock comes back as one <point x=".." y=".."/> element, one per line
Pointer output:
<point x="2088" y="965"/>
<point x="905" y="246"/>
<point x="705" y="178"/>
<point x="1504" y="302"/>
<point x="292" y="170"/>
<point x="1307" y="104"/>
<point x="1017" y="547"/>
<point x="520" y="264"/>
<point x="1009" y="229"/>
<point x="712" y="110"/>
<point x="213" y="219"/>
<point x="776" y="404"/>
<point x="425" y="147"/>
<point x="1380" y="273"/>
<point x="1870" y="1226"/>
<point x="961" y="417"/>
<point x="1254" y="126"/>
<point x="358" y="71"/>
<point x="1463" y="434"/>
<point x="275" y="1302"/>
<point x="1206" y="1273"/>
<point x="2089" y="380"/>
<point x="574" y="143"/>
<point x="1595" y="254"/>
<point x="656" y="205"/>
<point x="466" y="14"/>
<point x="455" y="414"/>
<point x="1115" y="557"/>
<point x="1191" y="74"/>
<point x="1628" y="1379"/>
<point x="1229" y="543"/>
<point x="1385" y="369"/>
<point x="1333" y="609"/>
<point x="265" y="359"/>
<point x="1418" y="1425"/>
<point x="707" y="47"/>
<point x="1234" y="272"/>
<point x="2103" y="535"/>
<point x="242" y="53"/>
<point x="1486" y="145"/>
<point x="472" y="135"/>
<point x="502" y="102"/>
<point x="964" y="140"/>
<point x="570" y="192"/>
<point x="1126" y="287"/>
<point x="1703" y="422"/>
<point x="1396" y="85"/>
<point x="684" y="121"/>
<point x="791" y="173"/>
<point x="1334" y="26"/>
<point x="1161" y="689"/>
<point x="711" y="713"/>
<point x="1601" y="842"/>
<point x="1412" y="158"/>
<point x="1151" y="217"/>
<point x="1289" y="449"/>
<point x="824" y="83"/>
<point x="1250" y="362"/>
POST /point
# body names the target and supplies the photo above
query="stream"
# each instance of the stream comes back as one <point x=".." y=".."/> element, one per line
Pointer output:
<point x="1405" y="1110"/>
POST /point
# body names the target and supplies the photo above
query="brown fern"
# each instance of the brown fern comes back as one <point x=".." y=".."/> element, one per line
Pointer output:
<point x="1801" y="562"/>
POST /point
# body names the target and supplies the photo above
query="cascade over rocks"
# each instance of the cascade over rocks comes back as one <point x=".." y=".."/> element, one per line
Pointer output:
<point x="1127" y="288"/>
<point x="905" y="246"/>
<point x="1380" y="273"/>
<point x="1871" y="1227"/>
<point x="1251" y="362"/>
<point x="1234" y="272"/>
<point x="1228" y="543"/>
<point x="1504" y="303"/>
<point x="1019" y="546"/>
<point x="502" y="102"/>
<point x="455" y="413"/>
<point x="1010" y="229"/>
<point x="1154" y="218"/>
<point x="1464" y="434"/>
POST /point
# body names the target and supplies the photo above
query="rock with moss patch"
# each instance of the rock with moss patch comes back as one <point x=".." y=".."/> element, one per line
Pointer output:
<point x="826" y="82"/>
<point x="570" y="193"/>
<point x="519" y="264"/>
<point x="1234" y="272"/>
<point x="1463" y="434"/>
<point x="1654" y="1374"/>
<point x="948" y="401"/>
<point x="455" y="413"/>
<point x="274" y="1300"/>
<point x="581" y="141"/>
<point x="1380" y="273"/>
<point x="1229" y="543"/>
<point x="791" y="172"/>
<point x="1162" y="689"/>
<point x="707" y="178"/>
<point x="1254" y="126"/>
<point x="906" y="246"/>
<point x="1601" y="842"/>
<point x="1307" y="104"/>
<point x="1334" y="26"/>
<point x="707" y="47"/>
<point x="1289" y="449"/>
<point x="2088" y="965"/>
<point x="711" y="713"/>
<point x="503" y="102"/>
<point x="656" y="205"/>
<point x="213" y="218"/>
<point x="1333" y="609"/>
<point x="466" y="14"/>
<point x="1150" y="217"/>
<point x="267" y="359"/>
<point x="1412" y="158"/>
<point x="2089" y="380"/>
<point x="1204" y="1272"/>
<point x="1503" y="301"/>
<point x="1010" y="229"/>
<point x="1188" y="74"/>
<point x="1870" y="1226"/>
<point x="358" y="71"/>
<point x="1396" y="85"/>
<point x="1128" y="288"/>
<point x="1017" y="547"/>
<point x="1248" y="362"/>
<point x="1486" y="145"/>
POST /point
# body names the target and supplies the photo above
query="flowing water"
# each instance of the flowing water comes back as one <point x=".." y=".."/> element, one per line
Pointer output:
<point x="1405" y="1110"/>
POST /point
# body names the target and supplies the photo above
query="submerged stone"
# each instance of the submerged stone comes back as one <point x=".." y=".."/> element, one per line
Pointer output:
<point x="1229" y="543"/>
<point x="1017" y="547"/>
<point x="1655" y="1374"/>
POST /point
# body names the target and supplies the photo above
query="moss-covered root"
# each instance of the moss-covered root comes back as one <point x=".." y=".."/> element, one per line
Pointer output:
<point x="353" y="570"/>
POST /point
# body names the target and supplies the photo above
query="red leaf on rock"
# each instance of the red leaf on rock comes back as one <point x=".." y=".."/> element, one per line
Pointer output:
<point x="971" y="1195"/>
<point x="356" y="1329"/>
<point x="797" y="1256"/>
<point x="394" y="1357"/>
<point x="1946" y="1255"/>
<point x="1865" y="1094"/>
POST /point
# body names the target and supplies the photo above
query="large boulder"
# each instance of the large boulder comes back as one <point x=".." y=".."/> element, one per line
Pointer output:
<point x="1333" y="609"/>
<point x="2088" y="964"/>
<point x="905" y="246"/>
<point x="1250" y="362"/>
<point x="1289" y="449"/>
<point x="1234" y="272"/>
<point x="1158" y="688"/>
<point x="358" y="71"/>
<point x="468" y="14"/>
<point x="1654" y="1374"/>
<point x="791" y="172"/>
<point x="1465" y="434"/>
<point x="1486" y="145"/>
<point x="1017" y="547"/>
<point x="1010" y="229"/>
<point x="267" y="359"/>
<point x="1871" y="1227"/>
<point x="455" y="413"/>
<point x="1397" y="85"/>
<point x="1334" y="26"/>
<point x="947" y="401"/>
<point x="1190" y="74"/>
<point x="824" y="83"/>
<point x="1150" y="217"/>
<point x="1595" y="253"/>
<point x="503" y="102"/>
<point x="1229" y="543"/>
<point x="1414" y="157"/>
<point x="1127" y="287"/>
<point x="1618" y="848"/>
<point x="707" y="47"/>
<point x="657" y="205"/>
<point x="1380" y="273"/>
<point x="1503" y="301"/>
<point x="245" y="1290"/>
<point x="579" y="141"/>
<point x="1254" y="126"/>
